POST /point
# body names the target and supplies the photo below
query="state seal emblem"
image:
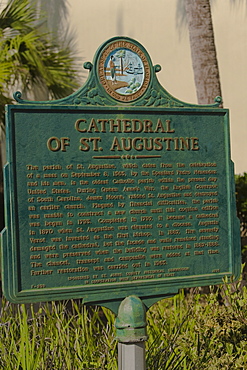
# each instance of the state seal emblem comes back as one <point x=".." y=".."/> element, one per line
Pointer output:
<point x="124" y="70"/>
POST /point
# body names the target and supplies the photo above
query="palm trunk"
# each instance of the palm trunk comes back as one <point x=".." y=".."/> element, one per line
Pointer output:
<point x="203" y="52"/>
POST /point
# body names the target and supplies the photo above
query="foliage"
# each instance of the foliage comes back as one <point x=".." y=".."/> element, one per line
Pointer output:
<point x="241" y="201"/>
<point x="29" y="57"/>
<point x="186" y="332"/>
<point x="210" y="330"/>
<point x="56" y="336"/>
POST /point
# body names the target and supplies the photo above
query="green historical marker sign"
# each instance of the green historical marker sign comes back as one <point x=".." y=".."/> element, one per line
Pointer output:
<point x="118" y="189"/>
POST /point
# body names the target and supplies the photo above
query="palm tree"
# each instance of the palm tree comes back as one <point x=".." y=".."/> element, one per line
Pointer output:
<point x="121" y="55"/>
<point x="30" y="57"/>
<point x="203" y="51"/>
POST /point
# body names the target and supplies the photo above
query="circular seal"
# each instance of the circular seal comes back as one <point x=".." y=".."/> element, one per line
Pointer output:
<point x="124" y="70"/>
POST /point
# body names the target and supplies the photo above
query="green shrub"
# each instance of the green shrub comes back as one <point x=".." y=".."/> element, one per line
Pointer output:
<point x="190" y="331"/>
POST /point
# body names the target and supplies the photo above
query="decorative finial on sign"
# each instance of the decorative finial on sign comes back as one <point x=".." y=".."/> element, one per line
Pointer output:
<point x="17" y="96"/>
<point x="157" y="68"/>
<point x="88" y="65"/>
<point x="218" y="100"/>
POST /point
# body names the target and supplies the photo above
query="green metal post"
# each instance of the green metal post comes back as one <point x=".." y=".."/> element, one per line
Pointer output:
<point x="131" y="334"/>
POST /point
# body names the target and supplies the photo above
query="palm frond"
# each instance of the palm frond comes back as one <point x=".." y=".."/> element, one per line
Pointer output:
<point x="18" y="15"/>
<point x="31" y="57"/>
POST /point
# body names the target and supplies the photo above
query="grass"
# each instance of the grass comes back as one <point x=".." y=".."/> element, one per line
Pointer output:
<point x="187" y="332"/>
<point x="62" y="335"/>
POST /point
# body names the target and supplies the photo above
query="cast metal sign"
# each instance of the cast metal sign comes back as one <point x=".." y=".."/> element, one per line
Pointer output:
<point x="118" y="189"/>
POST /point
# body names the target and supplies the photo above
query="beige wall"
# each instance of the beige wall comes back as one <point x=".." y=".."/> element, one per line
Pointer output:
<point x="153" y="24"/>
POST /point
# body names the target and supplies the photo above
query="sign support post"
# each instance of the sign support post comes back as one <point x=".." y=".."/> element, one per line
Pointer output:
<point x="131" y="356"/>
<point x="131" y="333"/>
